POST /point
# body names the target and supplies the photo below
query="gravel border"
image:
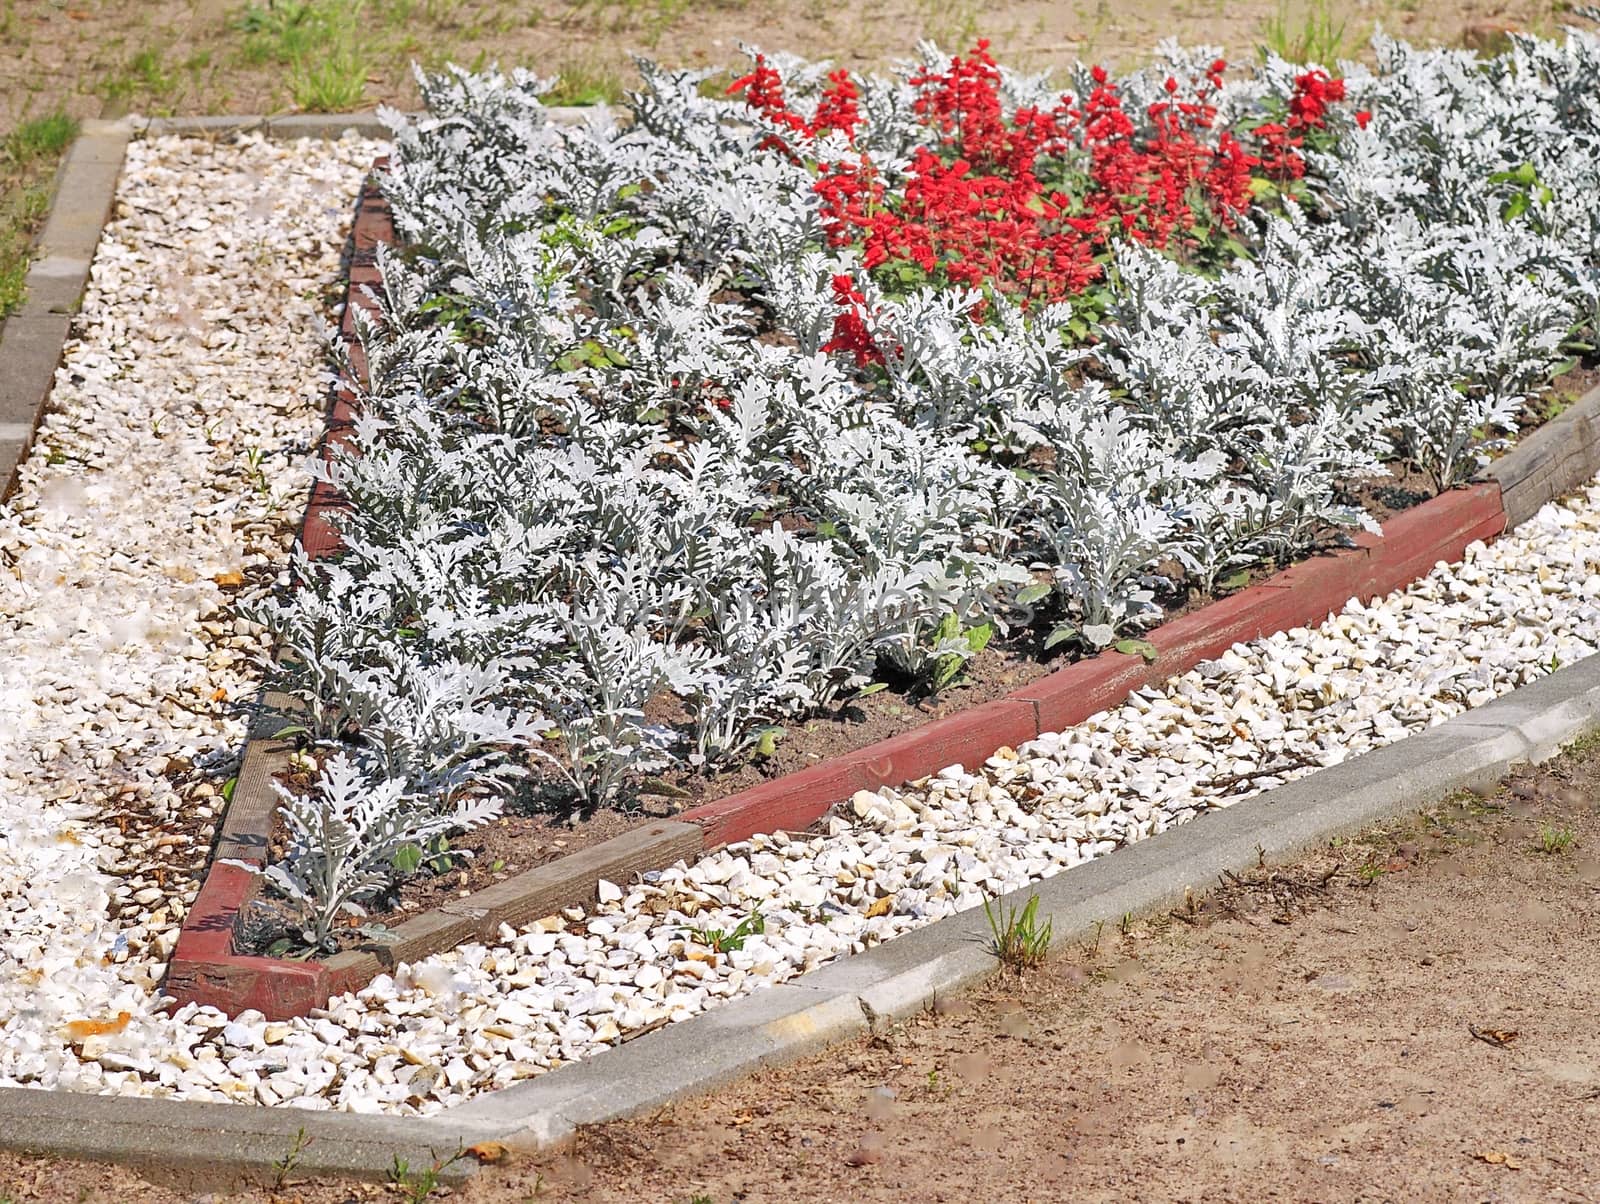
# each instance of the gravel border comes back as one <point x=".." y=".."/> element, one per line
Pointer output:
<point x="841" y="1000"/>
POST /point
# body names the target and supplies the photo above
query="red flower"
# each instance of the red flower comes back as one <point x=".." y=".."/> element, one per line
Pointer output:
<point x="1362" y="118"/>
<point x="975" y="209"/>
<point x="850" y="333"/>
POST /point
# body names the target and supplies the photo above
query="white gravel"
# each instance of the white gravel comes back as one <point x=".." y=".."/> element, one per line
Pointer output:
<point x="483" y="1017"/>
<point x="168" y="471"/>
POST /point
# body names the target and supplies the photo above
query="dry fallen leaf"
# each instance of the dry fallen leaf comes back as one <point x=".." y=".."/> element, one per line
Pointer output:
<point x="219" y="695"/>
<point x="82" y="1030"/>
<point x="1499" y="1158"/>
<point x="489" y="1151"/>
<point x="231" y="577"/>
<point x="1500" y="1038"/>
<point x="881" y="907"/>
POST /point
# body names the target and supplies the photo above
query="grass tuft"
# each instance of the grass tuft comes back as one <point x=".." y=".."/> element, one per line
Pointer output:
<point x="39" y="138"/>
<point x="1020" y="941"/>
<point x="1313" y="34"/>
<point x="585" y="83"/>
<point x="319" y="42"/>
<point x="1553" y="842"/>
<point x="28" y="157"/>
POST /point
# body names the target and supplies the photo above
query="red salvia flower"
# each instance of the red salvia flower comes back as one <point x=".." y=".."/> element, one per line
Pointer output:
<point x="975" y="209"/>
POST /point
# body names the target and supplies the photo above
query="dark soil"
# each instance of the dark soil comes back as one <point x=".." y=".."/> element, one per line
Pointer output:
<point x="477" y="859"/>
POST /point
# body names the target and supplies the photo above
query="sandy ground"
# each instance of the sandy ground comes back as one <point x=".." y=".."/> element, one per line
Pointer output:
<point x="161" y="56"/>
<point x="92" y="58"/>
<point x="1410" y="1016"/>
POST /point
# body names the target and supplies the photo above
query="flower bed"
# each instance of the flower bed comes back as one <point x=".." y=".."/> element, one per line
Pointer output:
<point x="674" y="433"/>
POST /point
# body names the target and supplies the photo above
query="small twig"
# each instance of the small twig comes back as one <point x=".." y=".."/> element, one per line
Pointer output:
<point x="648" y="1028"/>
<point x="1230" y="780"/>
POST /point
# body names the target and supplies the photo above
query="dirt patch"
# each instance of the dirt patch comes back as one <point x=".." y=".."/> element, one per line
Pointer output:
<point x="471" y="861"/>
<point x="202" y="56"/>
<point x="1405" y="1016"/>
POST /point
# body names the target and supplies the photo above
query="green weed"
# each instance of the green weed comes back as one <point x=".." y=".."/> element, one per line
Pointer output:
<point x="40" y="137"/>
<point x="145" y="75"/>
<point x="318" y="41"/>
<point x="283" y="1167"/>
<point x="331" y="83"/>
<point x="1313" y="34"/>
<point x="418" y="1185"/>
<point x="1553" y="842"/>
<point x="28" y="157"/>
<point x="1021" y="942"/>
<point x="719" y="941"/>
<point x="585" y="83"/>
<point x="1583" y="745"/>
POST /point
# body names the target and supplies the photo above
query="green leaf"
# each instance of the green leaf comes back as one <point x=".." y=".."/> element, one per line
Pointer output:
<point x="875" y="688"/>
<point x="1061" y="635"/>
<point x="978" y="637"/>
<point x="292" y="730"/>
<point x="229" y="787"/>
<point x="1034" y="593"/>
<point x="767" y="741"/>
<point x="1143" y="648"/>
<point x="1235" y="580"/>
<point x="408" y="858"/>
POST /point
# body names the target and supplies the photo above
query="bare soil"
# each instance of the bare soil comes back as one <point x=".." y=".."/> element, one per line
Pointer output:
<point x="1407" y="1016"/>
<point x="188" y="56"/>
<point x="92" y="58"/>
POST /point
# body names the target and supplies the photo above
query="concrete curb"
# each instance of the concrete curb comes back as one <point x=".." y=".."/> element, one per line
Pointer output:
<point x="32" y="339"/>
<point x="222" y="1145"/>
<point x="839" y="1001"/>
